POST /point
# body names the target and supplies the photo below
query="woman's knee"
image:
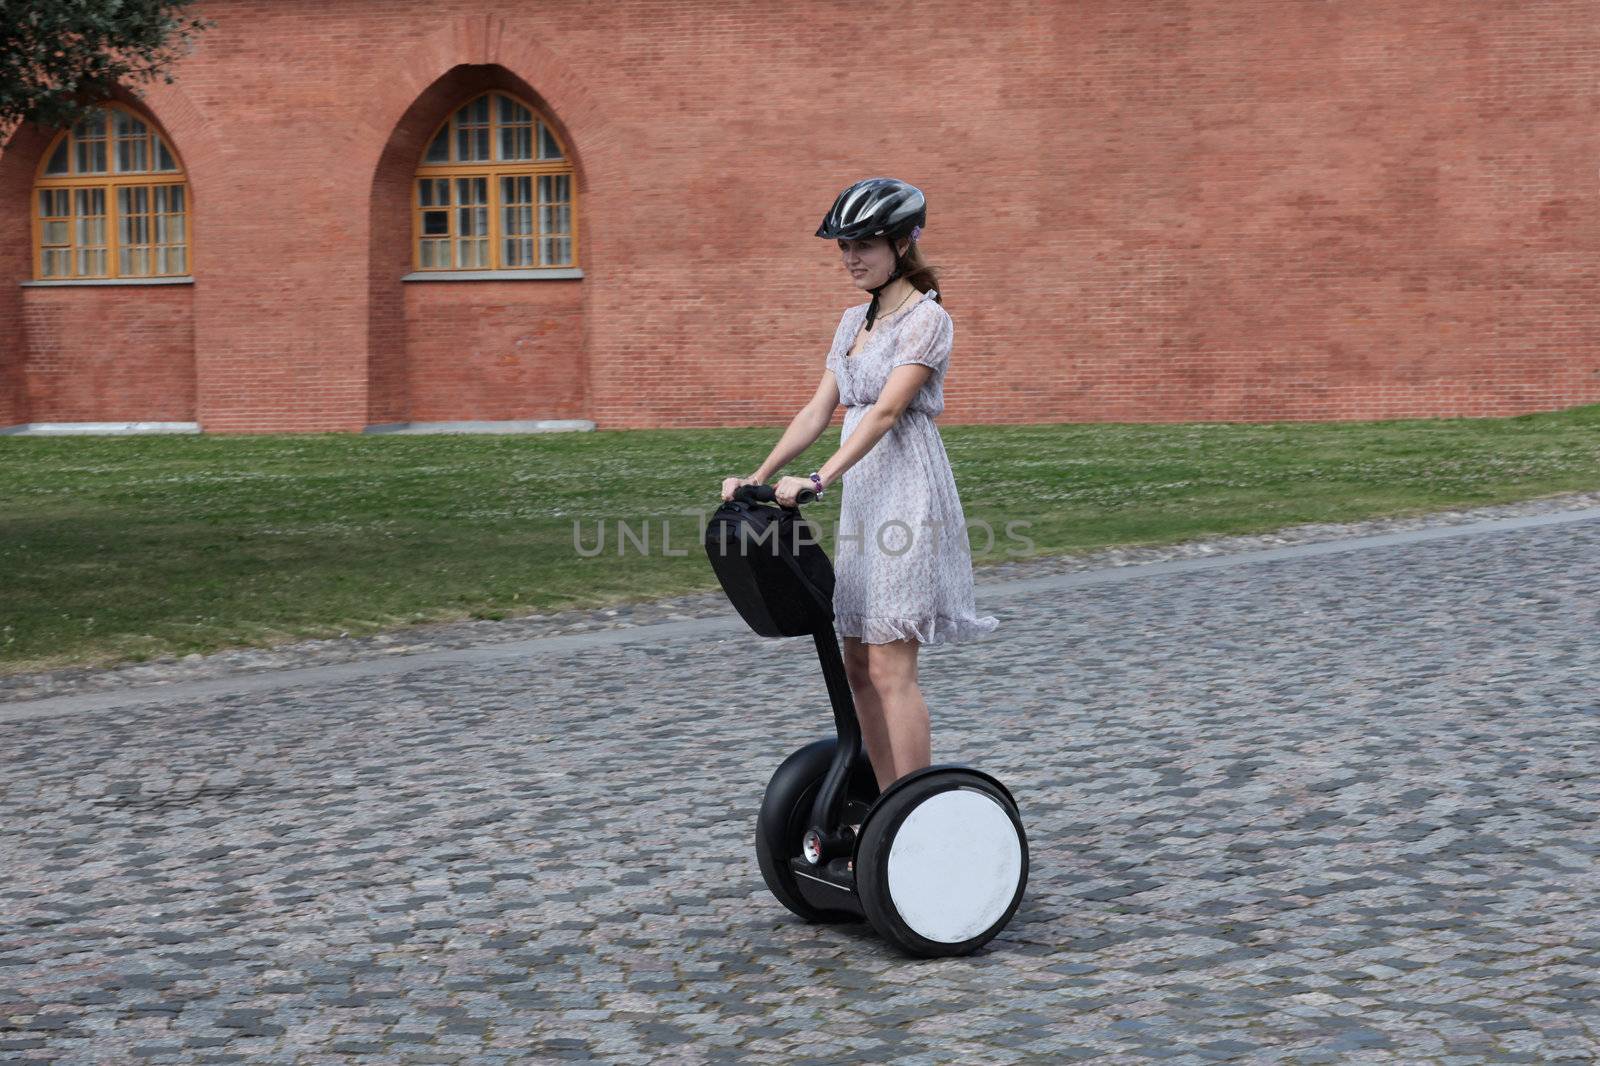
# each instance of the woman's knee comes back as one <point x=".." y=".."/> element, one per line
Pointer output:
<point x="856" y="664"/>
<point x="892" y="666"/>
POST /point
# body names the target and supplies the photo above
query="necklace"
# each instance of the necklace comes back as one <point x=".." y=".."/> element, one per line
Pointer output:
<point x="902" y="303"/>
<point x="880" y="319"/>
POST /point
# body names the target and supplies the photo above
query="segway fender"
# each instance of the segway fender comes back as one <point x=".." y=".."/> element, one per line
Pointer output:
<point x="797" y="772"/>
<point x="939" y="768"/>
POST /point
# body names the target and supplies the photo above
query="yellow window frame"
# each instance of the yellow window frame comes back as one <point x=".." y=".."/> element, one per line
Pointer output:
<point x="110" y="181"/>
<point x="493" y="171"/>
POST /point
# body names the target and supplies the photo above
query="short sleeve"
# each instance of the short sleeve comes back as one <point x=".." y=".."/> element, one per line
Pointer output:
<point x="925" y="338"/>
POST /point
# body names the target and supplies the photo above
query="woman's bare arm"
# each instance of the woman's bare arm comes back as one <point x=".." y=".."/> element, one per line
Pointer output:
<point x="804" y="428"/>
<point x="807" y="425"/>
<point x="902" y="387"/>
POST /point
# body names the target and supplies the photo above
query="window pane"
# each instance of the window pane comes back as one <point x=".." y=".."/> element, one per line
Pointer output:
<point x="133" y="198"/>
<point x="564" y="219"/>
<point x="474" y="254"/>
<point x="132" y="143"/>
<point x="91" y="201"/>
<point x="519" y="252"/>
<point x="89" y="230"/>
<point x="56" y="231"/>
<point x="131" y="155"/>
<point x="511" y="111"/>
<point x="58" y="159"/>
<point x="472" y="143"/>
<point x="164" y="160"/>
<point x="516" y="190"/>
<point x="439" y="150"/>
<point x="516" y="249"/>
<point x="91" y="125"/>
<point x="177" y="229"/>
<point x="433" y="192"/>
<point x="133" y="236"/>
<point x="472" y="221"/>
<point x="548" y="148"/>
<point x="516" y="142"/>
<point x="180" y="260"/>
<point x="435" y="254"/>
<point x="435" y="222"/>
<point x="472" y="131"/>
<point x="516" y="130"/>
<point x="91" y="157"/>
<point x="554" y="188"/>
<point x="177" y="194"/>
<point x="57" y="262"/>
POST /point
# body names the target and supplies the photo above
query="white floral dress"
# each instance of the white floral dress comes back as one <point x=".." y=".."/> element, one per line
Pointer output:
<point x="902" y="556"/>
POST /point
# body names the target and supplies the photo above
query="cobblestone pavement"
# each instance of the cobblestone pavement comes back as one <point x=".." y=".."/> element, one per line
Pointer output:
<point x="1333" y="807"/>
<point x="483" y="633"/>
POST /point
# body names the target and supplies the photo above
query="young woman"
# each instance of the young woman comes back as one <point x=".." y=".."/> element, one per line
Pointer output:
<point x="903" y="561"/>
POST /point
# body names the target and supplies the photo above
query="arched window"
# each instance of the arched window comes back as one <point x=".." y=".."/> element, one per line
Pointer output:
<point x="110" y="201"/>
<point x="494" y="191"/>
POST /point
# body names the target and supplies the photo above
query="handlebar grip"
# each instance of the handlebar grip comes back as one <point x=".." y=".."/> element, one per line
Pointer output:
<point x="767" y="494"/>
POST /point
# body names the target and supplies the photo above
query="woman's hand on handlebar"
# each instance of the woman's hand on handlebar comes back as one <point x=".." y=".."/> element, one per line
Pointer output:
<point x="731" y="484"/>
<point x="788" y="488"/>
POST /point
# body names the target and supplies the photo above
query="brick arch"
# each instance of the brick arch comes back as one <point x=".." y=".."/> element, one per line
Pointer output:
<point x="193" y="139"/>
<point x="190" y="133"/>
<point x="583" y="125"/>
<point x="420" y="88"/>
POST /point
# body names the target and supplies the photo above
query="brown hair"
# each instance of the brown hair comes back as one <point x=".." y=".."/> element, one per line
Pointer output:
<point x="917" y="271"/>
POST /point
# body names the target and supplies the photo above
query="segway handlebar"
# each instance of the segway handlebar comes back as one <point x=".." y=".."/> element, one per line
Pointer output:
<point x="767" y="494"/>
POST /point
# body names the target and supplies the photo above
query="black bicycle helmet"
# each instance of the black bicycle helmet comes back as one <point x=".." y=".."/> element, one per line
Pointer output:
<point x="876" y="207"/>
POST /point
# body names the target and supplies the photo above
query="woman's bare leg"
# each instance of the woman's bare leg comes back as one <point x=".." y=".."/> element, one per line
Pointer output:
<point x="869" y="711"/>
<point x="890" y="707"/>
<point x="892" y="670"/>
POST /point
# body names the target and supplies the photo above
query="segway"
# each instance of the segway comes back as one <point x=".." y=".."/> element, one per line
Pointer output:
<point x="936" y="863"/>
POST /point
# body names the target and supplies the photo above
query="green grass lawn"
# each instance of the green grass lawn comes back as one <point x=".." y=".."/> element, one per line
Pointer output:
<point x="124" y="548"/>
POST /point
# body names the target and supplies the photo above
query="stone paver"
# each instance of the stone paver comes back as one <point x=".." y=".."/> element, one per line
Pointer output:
<point x="1332" y="808"/>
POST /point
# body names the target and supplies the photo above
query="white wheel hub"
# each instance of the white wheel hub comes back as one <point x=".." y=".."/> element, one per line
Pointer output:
<point x="954" y="865"/>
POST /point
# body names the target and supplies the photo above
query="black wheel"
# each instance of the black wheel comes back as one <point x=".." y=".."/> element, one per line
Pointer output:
<point x="785" y="809"/>
<point x="942" y="864"/>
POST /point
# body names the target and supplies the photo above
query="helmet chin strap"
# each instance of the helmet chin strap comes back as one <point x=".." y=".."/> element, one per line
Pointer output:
<point x="872" y="309"/>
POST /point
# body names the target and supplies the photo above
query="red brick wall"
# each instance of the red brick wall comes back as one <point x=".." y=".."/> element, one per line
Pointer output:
<point x="1280" y="209"/>
<point x="110" y="353"/>
<point x="461" y="350"/>
<point x="499" y="350"/>
<point x="16" y="265"/>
